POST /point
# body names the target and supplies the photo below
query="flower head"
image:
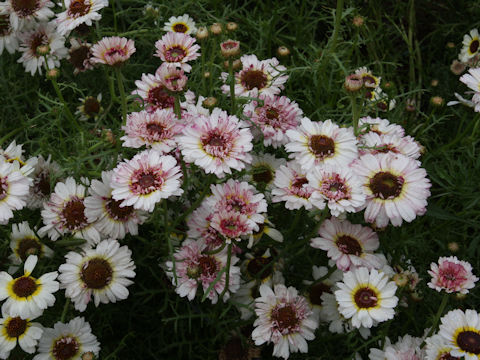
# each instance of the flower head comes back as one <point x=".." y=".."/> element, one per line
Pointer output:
<point x="461" y="332"/>
<point x="24" y="13"/>
<point x="79" y="12"/>
<point x="452" y="275"/>
<point x="14" y="189"/>
<point x="113" y="51"/>
<point x="471" y="45"/>
<point x="153" y="92"/>
<point x="180" y="24"/>
<point x="177" y="49"/>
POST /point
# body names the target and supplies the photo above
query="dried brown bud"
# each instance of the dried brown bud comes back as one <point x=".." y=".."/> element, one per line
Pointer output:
<point x="453" y="246"/>
<point x="202" y="33"/>
<point x="434" y="82"/>
<point x="358" y="21"/>
<point x="457" y="67"/>
<point x="216" y="28"/>
<point x="232" y="26"/>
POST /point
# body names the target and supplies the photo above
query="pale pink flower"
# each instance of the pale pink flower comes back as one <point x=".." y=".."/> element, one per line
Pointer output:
<point x="172" y="78"/>
<point x="14" y="189"/>
<point x="291" y="185"/>
<point x="200" y="227"/>
<point x="153" y="92"/>
<point x="146" y="179"/>
<point x="112" y="50"/>
<point x="373" y="143"/>
<point x="177" y="48"/>
<point x="231" y="224"/>
<point x="79" y="12"/>
<point x="452" y="275"/>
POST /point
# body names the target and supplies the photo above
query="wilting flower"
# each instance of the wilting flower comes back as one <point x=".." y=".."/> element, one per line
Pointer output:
<point x="452" y="275"/>
<point x="79" y="55"/>
<point x="8" y="36"/>
<point x="90" y="107"/>
<point x="262" y="170"/>
<point x="112" y="51"/>
<point x="43" y="173"/>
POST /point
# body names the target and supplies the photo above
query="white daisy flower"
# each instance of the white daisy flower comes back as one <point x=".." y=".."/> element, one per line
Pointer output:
<point x="396" y="187"/>
<point x="14" y="329"/>
<point x="262" y="170"/>
<point x="369" y="80"/>
<point x="379" y="126"/>
<point x="146" y="179"/>
<point x="67" y="341"/>
<point x="111" y="219"/>
<point x="471" y="44"/>
<point x="14" y="154"/>
<point x="366" y="297"/>
<point x="102" y="272"/>
<point x="406" y="348"/>
<point x="461" y="331"/>
<point x="24" y="13"/>
<point x="64" y="213"/>
<point x="43" y="173"/>
<point x="183" y="24"/>
<point x="28" y="296"/>
<point x="318" y="143"/>
<point x="437" y="349"/>
<point x="79" y="12"/>
<point x="285" y="319"/>
<point x="8" y="36"/>
<point x="373" y="143"/>
<point x="14" y="188"/>
<point x="153" y="93"/>
<point x="472" y="79"/>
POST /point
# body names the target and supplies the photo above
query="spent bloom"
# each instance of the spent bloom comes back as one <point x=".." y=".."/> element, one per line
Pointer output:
<point x="112" y="51"/>
<point x="452" y="275"/>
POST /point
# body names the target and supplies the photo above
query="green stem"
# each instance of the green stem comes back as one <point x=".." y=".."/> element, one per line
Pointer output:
<point x="355" y="114"/>
<point x="177" y="109"/>
<point x="169" y="240"/>
<point x="65" y="309"/>
<point x="232" y="85"/>
<point x="227" y="271"/>
<point x="439" y="313"/>
<point x="115" y="27"/>
<point x="338" y="20"/>
<point x="215" y="251"/>
<point x="123" y="98"/>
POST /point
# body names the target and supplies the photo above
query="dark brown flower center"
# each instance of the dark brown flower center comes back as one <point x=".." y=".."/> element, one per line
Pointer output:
<point x="4" y="25"/>
<point x="28" y="246"/>
<point x="79" y="8"/>
<point x="91" y="106"/>
<point x="349" y="245"/>
<point x="469" y="341"/>
<point x="215" y="140"/>
<point x="16" y="327"/>
<point x="37" y="40"/>
<point x="234" y="350"/>
<point x="285" y="318"/>
<point x="316" y="291"/>
<point x="386" y="185"/>
<point x="74" y="214"/>
<point x="96" y="273"/>
<point x="24" y="286"/>
<point x="368" y="80"/>
<point x="262" y="174"/>
<point x="254" y="79"/>
<point x="298" y="183"/>
<point x="159" y="97"/>
<point x="207" y="265"/>
<point x="365" y="298"/>
<point x="42" y="183"/>
<point x="258" y="267"/>
<point x="65" y="348"/>
<point x="154" y="128"/>
<point x="175" y="53"/>
<point x="25" y="7"/>
<point x="180" y="28"/>
<point x="322" y="146"/>
<point x="474" y="46"/>
<point x="78" y="56"/>
<point x="121" y="213"/>
<point x="146" y="180"/>
<point x="272" y="113"/>
<point x="447" y="356"/>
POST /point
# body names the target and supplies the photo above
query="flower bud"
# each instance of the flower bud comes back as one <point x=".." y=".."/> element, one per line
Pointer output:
<point x="358" y="21"/>
<point x="450" y="45"/>
<point x="202" y="33"/>
<point x="437" y="101"/>
<point x="410" y="105"/>
<point x="216" y="28"/>
<point x="283" y="51"/>
<point x="230" y="48"/>
<point x="453" y="246"/>
<point x="206" y="74"/>
<point x="52" y="73"/>
<point x="434" y="82"/>
<point x="457" y="67"/>
<point x="400" y="279"/>
<point x="232" y="26"/>
<point x="43" y="50"/>
<point x="353" y="83"/>
<point x="88" y="356"/>
<point x="210" y="102"/>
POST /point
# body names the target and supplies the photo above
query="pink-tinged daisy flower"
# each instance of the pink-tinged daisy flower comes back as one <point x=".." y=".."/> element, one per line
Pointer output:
<point x="176" y="49"/>
<point x="14" y="189"/>
<point x="180" y="24"/>
<point x="366" y="296"/>
<point x="157" y="130"/>
<point x="172" y="78"/>
<point x="200" y="227"/>
<point x="146" y="179"/>
<point x="193" y="268"/>
<point x="43" y="174"/>
<point x="79" y="12"/>
<point x="153" y="93"/>
<point x="396" y="187"/>
<point x="373" y="143"/>
<point x="471" y="45"/>
<point x="103" y="272"/>
<point x="64" y="213"/>
<point x="231" y="224"/>
<point x="369" y="80"/>
<point x="27" y="296"/>
<point x="14" y="154"/>
<point x="42" y="34"/>
<point x="472" y="79"/>
<point x="217" y="143"/>
<point x="26" y="12"/>
<point x="380" y="126"/>
<point x="348" y="244"/>
<point x="67" y="341"/>
<point x="461" y="332"/>
<point x="437" y="349"/>
<point x="277" y="115"/>
<point x="111" y="219"/>
<point x="319" y="143"/>
<point x="285" y="319"/>
<point x="112" y="51"/>
<point x="337" y="187"/>
<point x="8" y="36"/>
<point x="14" y="329"/>
<point x="257" y="77"/>
<point x="451" y="275"/>
<point x="239" y="197"/>
<point x="291" y="185"/>
<point x="79" y="56"/>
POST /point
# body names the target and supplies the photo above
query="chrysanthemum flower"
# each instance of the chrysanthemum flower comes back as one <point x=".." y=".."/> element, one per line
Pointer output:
<point x="24" y="13"/>
<point x="14" y="329"/>
<point x="102" y="273"/>
<point x="337" y="187"/>
<point x="112" y="51"/>
<point x="396" y="187"/>
<point x="231" y="224"/>
<point x="291" y="185"/>
<point x="193" y="268"/>
<point x="285" y="319"/>
<point x="262" y="170"/>
<point x="437" y="349"/>
<point x="180" y="24"/>
<point x="14" y="154"/>
<point x="146" y="179"/>
<point x="348" y="244"/>
<point x="200" y="227"/>
<point x="172" y="78"/>
<point x="43" y="173"/>
<point x="471" y="45"/>
<point x="318" y="143"/>
<point x="111" y="219"/>
<point x="373" y="143"/>
<point x="452" y="275"/>
<point x="79" y="55"/>
<point x="177" y="49"/>
<point x="79" y="12"/>
<point x="157" y="130"/>
<point x="27" y="296"/>
<point x="369" y="80"/>
<point x="14" y="188"/>
<point x="41" y="34"/>
<point x="217" y="143"/>
<point x="90" y="107"/>
<point x="277" y="115"/>
<point x="67" y="341"/>
<point x="380" y="126"/>
<point x="64" y="213"/>
<point x="8" y="36"/>
<point x="153" y="93"/>
<point x="461" y="331"/>
<point x="257" y="77"/>
<point x="366" y="296"/>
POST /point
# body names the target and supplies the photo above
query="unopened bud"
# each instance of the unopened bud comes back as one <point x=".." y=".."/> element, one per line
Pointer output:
<point x="437" y="101"/>
<point x="353" y="83"/>
<point x="216" y="28"/>
<point x="202" y="33"/>
<point x="457" y="67"/>
<point x="453" y="246"/>
<point x="400" y="279"/>
<point x="232" y="26"/>
<point x="416" y="296"/>
<point x="108" y="133"/>
<point x="43" y="50"/>
<point x="450" y="45"/>
<point x="410" y="105"/>
<point x="210" y="102"/>
<point x="460" y="296"/>
<point x="283" y="51"/>
<point x="206" y="74"/>
<point x="358" y="21"/>
<point x="230" y="48"/>
<point x="434" y="82"/>
<point x="88" y="356"/>
<point x="52" y="73"/>
<point x="387" y="85"/>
